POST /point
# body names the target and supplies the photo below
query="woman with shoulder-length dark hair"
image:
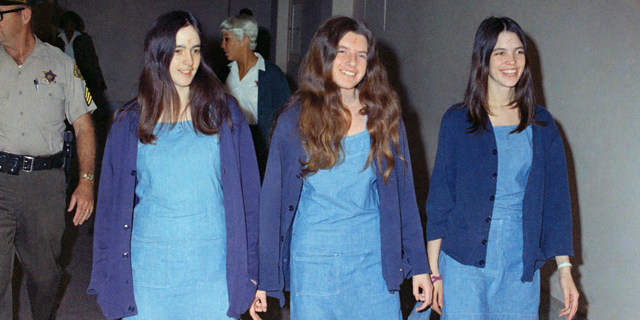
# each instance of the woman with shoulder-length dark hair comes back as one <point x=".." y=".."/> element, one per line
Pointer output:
<point x="176" y="226"/>
<point x="339" y="223"/>
<point x="498" y="205"/>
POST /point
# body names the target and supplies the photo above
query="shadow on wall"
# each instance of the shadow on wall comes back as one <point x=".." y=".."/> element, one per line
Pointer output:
<point x="389" y="59"/>
<point x="549" y="305"/>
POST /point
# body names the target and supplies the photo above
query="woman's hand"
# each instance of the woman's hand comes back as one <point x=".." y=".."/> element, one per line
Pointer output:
<point x="259" y="305"/>
<point x="436" y="304"/>
<point x="570" y="292"/>
<point x="422" y="290"/>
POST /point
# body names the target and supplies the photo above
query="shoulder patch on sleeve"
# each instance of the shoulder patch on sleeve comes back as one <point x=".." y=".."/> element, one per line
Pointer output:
<point x="76" y="72"/>
<point x="87" y="96"/>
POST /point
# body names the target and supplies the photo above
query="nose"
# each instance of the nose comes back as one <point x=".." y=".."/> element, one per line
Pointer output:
<point x="352" y="60"/>
<point x="510" y="59"/>
<point x="188" y="59"/>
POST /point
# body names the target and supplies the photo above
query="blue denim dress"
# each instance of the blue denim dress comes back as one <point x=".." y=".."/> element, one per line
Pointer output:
<point x="496" y="291"/>
<point x="178" y="245"/>
<point x="336" y="269"/>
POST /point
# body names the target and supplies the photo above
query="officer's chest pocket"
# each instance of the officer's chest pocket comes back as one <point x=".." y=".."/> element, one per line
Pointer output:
<point x="50" y="102"/>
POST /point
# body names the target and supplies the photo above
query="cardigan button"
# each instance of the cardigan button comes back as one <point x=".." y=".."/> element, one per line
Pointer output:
<point x="298" y="175"/>
<point x="281" y="238"/>
<point x="484" y="241"/>
<point x="133" y="172"/>
<point x="492" y="198"/>
<point x="290" y="208"/>
<point x="131" y="308"/>
<point x="481" y="262"/>
<point x="126" y="227"/>
<point x="488" y="219"/>
<point x="125" y="255"/>
<point x="494" y="175"/>
<point x="495" y="151"/>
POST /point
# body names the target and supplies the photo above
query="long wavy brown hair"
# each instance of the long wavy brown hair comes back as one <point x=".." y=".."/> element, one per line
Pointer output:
<point x="325" y="120"/>
<point x="475" y="97"/>
<point x="157" y="94"/>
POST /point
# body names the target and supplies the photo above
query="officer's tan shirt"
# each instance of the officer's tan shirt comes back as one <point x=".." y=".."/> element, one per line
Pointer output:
<point x="35" y="99"/>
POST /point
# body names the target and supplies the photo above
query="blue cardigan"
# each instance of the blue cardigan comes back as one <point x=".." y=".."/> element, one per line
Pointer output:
<point x="463" y="185"/>
<point x="111" y="277"/>
<point x="403" y="252"/>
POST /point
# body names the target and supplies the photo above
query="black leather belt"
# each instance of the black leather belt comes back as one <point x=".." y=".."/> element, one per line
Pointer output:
<point x="13" y="163"/>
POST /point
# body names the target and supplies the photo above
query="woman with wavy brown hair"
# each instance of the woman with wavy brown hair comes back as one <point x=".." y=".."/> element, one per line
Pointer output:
<point x="339" y="224"/>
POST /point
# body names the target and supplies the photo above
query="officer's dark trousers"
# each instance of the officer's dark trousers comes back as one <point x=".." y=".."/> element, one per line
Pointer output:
<point x="31" y="225"/>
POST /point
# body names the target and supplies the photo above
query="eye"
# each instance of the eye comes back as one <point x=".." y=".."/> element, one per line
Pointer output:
<point x="178" y="51"/>
<point x="498" y="53"/>
<point x="196" y="50"/>
<point x="520" y="51"/>
<point x="342" y="51"/>
<point x="362" y="56"/>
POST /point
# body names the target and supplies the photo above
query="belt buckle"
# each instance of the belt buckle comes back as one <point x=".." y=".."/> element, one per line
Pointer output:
<point x="27" y="163"/>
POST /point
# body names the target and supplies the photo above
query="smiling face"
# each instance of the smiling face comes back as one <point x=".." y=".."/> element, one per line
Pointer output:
<point x="350" y="63"/>
<point x="507" y="62"/>
<point x="186" y="59"/>
<point x="231" y="46"/>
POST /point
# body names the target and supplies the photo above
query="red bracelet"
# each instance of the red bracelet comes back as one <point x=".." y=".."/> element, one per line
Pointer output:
<point x="434" y="279"/>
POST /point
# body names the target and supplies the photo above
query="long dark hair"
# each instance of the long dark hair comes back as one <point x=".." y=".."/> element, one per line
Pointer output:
<point x="324" y="120"/>
<point x="475" y="97"/>
<point x="157" y="94"/>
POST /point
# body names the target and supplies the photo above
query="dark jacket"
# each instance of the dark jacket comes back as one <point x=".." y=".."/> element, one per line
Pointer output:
<point x="111" y="277"/>
<point x="273" y="93"/>
<point x="462" y="189"/>
<point x="87" y="61"/>
<point x="403" y="252"/>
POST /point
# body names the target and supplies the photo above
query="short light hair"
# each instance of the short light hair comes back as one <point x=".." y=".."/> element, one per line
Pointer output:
<point x="242" y="26"/>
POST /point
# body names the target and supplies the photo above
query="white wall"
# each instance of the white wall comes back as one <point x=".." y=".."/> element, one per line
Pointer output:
<point x="589" y="66"/>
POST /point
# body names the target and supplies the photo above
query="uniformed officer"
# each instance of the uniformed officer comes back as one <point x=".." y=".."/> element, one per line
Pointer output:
<point x="39" y="87"/>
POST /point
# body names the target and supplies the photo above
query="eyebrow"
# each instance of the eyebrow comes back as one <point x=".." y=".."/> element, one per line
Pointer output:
<point x="183" y="46"/>
<point x="343" y="47"/>
<point x="516" y="48"/>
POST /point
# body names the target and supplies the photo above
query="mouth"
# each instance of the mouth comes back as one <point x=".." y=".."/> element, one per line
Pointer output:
<point x="510" y="72"/>
<point x="348" y="73"/>
<point x="186" y="72"/>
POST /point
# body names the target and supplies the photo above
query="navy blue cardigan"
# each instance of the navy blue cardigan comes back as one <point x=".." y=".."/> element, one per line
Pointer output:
<point x="403" y="252"/>
<point x="111" y="277"/>
<point x="463" y="185"/>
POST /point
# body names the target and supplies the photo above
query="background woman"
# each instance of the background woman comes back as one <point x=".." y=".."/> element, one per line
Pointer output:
<point x="498" y="204"/>
<point x="186" y="151"/>
<point x="259" y="85"/>
<point x="78" y="45"/>
<point x="339" y="164"/>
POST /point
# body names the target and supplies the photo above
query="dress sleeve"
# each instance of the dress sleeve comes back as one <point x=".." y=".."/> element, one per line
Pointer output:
<point x="104" y="210"/>
<point x="270" y="219"/>
<point x="557" y="234"/>
<point x="250" y="192"/>
<point x="441" y="199"/>
<point x="414" y="253"/>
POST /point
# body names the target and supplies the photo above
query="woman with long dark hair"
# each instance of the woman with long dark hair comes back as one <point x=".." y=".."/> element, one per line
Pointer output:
<point x="177" y="218"/>
<point x="498" y="205"/>
<point x="339" y="224"/>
